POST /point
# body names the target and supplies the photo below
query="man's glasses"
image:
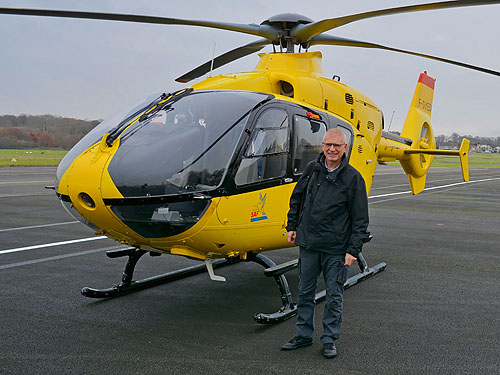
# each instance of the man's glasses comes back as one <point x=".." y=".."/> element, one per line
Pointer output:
<point x="338" y="146"/>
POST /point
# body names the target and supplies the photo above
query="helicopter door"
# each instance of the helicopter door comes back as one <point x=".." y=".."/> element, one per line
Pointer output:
<point x="266" y="155"/>
<point x="259" y="176"/>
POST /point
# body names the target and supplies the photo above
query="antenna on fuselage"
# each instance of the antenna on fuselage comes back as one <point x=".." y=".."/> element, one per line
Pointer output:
<point x="390" y="122"/>
<point x="213" y="58"/>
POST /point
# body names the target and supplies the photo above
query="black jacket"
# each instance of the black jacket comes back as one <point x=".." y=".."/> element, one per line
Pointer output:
<point x="329" y="210"/>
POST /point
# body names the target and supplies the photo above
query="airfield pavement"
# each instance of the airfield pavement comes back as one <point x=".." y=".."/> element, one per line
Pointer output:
<point x="434" y="310"/>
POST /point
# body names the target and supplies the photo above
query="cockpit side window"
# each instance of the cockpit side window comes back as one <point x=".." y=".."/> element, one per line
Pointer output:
<point x="308" y="134"/>
<point x="266" y="155"/>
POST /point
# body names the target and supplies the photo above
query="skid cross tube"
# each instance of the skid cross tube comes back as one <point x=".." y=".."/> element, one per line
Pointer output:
<point x="289" y="309"/>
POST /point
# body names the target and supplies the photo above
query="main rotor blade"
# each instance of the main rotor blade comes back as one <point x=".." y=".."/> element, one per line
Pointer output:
<point x="307" y="31"/>
<point x="224" y="59"/>
<point x="337" y="41"/>
<point x="265" y="31"/>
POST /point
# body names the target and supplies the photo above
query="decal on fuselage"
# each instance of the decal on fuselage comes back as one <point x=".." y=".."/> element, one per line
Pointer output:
<point x="258" y="212"/>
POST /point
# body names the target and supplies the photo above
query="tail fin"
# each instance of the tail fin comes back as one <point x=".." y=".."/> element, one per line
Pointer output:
<point x="416" y="146"/>
<point x="417" y="127"/>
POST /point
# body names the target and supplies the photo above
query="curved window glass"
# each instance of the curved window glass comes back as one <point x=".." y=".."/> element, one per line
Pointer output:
<point x="266" y="155"/>
<point x="185" y="146"/>
<point x="307" y="140"/>
<point x="161" y="220"/>
<point x="98" y="132"/>
<point x="308" y="136"/>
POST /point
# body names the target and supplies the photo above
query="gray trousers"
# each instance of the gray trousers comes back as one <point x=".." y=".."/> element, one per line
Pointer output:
<point x="311" y="264"/>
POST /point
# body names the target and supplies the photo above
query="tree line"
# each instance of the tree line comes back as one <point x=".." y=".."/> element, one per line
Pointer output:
<point x="48" y="131"/>
<point x="455" y="139"/>
<point x="42" y="131"/>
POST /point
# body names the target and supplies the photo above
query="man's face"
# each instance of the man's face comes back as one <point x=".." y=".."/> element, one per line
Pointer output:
<point x="333" y="148"/>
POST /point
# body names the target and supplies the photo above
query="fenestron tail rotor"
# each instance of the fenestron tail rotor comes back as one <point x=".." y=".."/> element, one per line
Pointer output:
<point x="286" y="30"/>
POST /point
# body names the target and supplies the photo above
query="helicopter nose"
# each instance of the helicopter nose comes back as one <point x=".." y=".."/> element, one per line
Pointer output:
<point x="86" y="183"/>
<point x="84" y="187"/>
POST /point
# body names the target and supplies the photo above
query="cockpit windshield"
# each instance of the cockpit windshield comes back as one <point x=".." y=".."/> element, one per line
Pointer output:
<point x="185" y="146"/>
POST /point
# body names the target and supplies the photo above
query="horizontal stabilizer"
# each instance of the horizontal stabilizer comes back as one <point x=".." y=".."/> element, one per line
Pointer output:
<point x="462" y="153"/>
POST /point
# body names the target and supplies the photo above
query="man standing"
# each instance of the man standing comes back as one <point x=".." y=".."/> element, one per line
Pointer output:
<point x="328" y="220"/>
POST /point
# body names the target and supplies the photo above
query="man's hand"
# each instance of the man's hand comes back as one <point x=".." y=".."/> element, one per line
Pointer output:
<point x="349" y="259"/>
<point x="291" y="236"/>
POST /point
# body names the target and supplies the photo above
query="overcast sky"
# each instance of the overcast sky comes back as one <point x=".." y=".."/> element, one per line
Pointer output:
<point x="91" y="69"/>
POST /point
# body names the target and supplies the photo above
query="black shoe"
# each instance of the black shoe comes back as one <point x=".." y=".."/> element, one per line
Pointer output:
<point x="297" y="342"/>
<point x="329" y="350"/>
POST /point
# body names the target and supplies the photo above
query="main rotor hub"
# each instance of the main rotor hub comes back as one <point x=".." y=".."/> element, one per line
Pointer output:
<point x="287" y="18"/>
<point x="285" y="22"/>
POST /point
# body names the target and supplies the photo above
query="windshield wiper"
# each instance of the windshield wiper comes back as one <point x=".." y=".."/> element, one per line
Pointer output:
<point x="114" y="133"/>
<point x="147" y="112"/>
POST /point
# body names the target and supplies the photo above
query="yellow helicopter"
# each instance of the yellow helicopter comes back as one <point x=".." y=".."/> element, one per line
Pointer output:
<point x="206" y="172"/>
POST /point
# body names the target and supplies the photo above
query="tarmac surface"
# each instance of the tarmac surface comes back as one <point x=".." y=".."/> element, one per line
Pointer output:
<point x="435" y="309"/>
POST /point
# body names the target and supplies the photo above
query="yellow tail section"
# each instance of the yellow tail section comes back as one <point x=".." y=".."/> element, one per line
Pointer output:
<point x="416" y="147"/>
<point x="417" y="127"/>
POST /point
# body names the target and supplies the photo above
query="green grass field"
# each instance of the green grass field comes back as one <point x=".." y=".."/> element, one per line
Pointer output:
<point x="475" y="161"/>
<point x="13" y="158"/>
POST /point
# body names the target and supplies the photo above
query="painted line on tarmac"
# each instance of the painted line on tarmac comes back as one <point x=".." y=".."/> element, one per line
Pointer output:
<point x="435" y="187"/>
<point x="24" y="182"/>
<point x="399" y="185"/>
<point x="51" y="244"/>
<point x="24" y="195"/>
<point x="39" y="226"/>
<point x="57" y="257"/>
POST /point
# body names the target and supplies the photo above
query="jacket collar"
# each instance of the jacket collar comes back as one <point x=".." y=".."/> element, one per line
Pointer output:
<point x="320" y="164"/>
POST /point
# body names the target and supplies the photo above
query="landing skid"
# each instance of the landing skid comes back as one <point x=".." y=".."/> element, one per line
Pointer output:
<point x="288" y="310"/>
<point x="128" y="285"/>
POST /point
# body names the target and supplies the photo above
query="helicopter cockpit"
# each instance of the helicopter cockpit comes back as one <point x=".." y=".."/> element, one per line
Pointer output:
<point x="185" y="146"/>
<point x="181" y="150"/>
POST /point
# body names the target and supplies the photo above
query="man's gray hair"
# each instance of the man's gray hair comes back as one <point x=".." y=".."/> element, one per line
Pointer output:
<point x="336" y="131"/>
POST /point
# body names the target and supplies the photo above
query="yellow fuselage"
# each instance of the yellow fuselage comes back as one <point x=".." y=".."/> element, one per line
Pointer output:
<point x="235" y="224"/>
